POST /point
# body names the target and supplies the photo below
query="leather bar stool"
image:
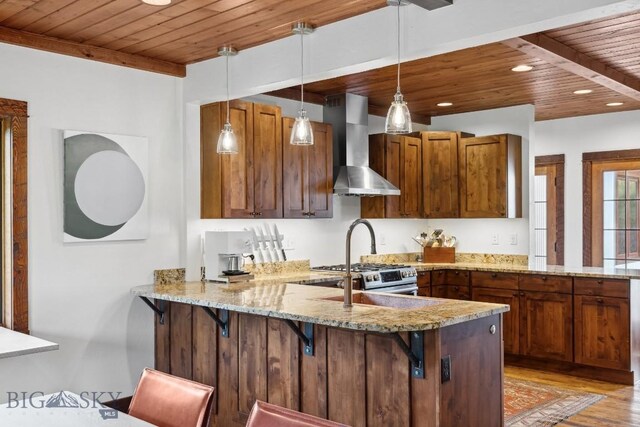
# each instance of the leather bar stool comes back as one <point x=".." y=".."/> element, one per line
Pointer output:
<point x="168" y="401"/>
<point x="268" y="415"/>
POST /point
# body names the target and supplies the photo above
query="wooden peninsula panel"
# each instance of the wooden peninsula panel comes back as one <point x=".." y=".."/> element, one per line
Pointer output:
<point x="354" y="377"/>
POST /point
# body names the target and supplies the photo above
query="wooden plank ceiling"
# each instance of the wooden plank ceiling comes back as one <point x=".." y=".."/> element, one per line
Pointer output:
<point x="602" y="56"/>
<point x="162" y="38"/>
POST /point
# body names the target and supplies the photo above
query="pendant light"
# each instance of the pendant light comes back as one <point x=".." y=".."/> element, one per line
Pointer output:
<point x="227" y="141"/>
<point x="301" y="133"/>
<point x="398" y="118"/>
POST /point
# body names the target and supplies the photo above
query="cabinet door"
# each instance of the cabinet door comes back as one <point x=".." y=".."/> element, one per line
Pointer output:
<point x="237" y="170"/>
<point x="373" y="207"/>
<point x="440" y="174"/>
<point x="602" y="331"/>
<point x="451" y="292"/>
<point x="267" y="160"/>
<point x="320" y="161"/>
<point x="483" y="177"/>
<point x="411" y="177"/>
<point x="393" y="173"/>
<point x="295" y="174"/>
<point x="511" y="319"/>
<point x="546" y="325"/>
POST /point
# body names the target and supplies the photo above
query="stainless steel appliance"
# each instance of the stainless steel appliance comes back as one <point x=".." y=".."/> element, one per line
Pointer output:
<point x="390" y="278"/>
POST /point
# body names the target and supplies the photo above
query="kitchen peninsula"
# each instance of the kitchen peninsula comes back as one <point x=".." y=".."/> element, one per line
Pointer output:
<point x="388" y="360"/>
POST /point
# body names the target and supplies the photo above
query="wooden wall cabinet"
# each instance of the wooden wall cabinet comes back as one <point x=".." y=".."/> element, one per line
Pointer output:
<point x="308" y="173"/>
<point x="397" y="159"/>
<point x="490" y="176"/>
<point x="247" y="184"/>
<point x="440" y="174"/>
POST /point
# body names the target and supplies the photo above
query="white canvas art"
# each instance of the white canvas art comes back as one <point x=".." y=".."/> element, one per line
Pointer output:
<point x="105" y="187"/>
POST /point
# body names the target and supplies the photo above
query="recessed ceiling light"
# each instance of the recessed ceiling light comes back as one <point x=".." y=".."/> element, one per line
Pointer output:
<point x="615" y="104"/>
<point x="157" y="2"/>
<point x="522" y="68"/>
<point x="582" y="91"/>
<point x="445" y="104"/>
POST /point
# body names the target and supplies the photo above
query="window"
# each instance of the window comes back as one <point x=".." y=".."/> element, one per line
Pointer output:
<point x="14" y="249"/>
<point x="611" y="220"/>
<point x="621" y="218"/>
<point x="549" y="210"/>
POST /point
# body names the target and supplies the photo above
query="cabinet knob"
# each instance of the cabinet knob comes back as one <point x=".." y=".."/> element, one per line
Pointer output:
<point x="600" y="282"/>
<point x="259" y="213"/>
<point x="252" y="213"/>
<point x="457" y="273"/>
<point x="312" y="214"/>
<point x="515" y="294"/>
<point x="521" y="294"/>
<point x="494" y="275"/>
<point x="456" y="288"/>
<point x="599" y="300"/>
<point x="492" y="329"/>
<point x="544" y="278"/>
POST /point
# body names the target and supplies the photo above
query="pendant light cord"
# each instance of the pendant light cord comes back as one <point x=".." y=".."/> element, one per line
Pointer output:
<point x="302" y="69"/>
<point x="398" y="29"/>
<point x="227" y="66"/>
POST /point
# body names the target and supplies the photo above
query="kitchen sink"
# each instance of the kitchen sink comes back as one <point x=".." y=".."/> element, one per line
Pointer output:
<point x="389" y="301"/>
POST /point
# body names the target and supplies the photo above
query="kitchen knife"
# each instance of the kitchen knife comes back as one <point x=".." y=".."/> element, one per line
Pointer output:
<point x="256" y="245"/>
<point x="279" y="241"/>
<point x="263" y="245"/>
<point x="273" y="250"/>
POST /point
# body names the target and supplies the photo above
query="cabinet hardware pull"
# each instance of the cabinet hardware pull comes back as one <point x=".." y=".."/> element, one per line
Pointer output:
<point x="544" y="278"/>
<point x="492" y="329"/>
<point x="494" y="275"/>
<point x="312" y="214"/>
<point x="521" y="294"/>
<point x="515" y="294"/>
<point x="600" y="282"/>
<point x="600" y="300"/>
<point x="259" y="213"/>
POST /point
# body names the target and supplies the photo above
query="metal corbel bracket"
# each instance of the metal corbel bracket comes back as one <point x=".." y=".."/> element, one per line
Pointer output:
<point x="159" y="311"/>
<point x="222" y="321"/>
<point x="415" y="353"/>
<point x="306" y="337"/>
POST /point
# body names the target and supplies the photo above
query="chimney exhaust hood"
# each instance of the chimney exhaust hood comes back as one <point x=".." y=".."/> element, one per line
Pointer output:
<point x="349" y="116"/>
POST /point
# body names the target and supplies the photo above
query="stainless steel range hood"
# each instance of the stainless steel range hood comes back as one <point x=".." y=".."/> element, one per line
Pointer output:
<point x="349" y="116"/>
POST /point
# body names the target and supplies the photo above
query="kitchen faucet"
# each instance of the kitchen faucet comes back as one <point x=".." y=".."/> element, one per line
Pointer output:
<point x="348" y="286"/>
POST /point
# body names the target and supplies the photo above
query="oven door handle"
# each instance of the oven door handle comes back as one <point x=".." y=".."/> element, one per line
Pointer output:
<point x="400" y="290"/>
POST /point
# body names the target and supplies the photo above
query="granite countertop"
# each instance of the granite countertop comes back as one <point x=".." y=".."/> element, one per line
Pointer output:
<point x="277" y="297"/>
<point x="555" y="270"/>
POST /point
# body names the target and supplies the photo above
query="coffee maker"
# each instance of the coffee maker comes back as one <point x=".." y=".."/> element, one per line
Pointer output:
<point x="224" y="255"/>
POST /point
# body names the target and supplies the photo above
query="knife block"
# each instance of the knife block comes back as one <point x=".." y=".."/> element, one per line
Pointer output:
<point x="439" y="255"/>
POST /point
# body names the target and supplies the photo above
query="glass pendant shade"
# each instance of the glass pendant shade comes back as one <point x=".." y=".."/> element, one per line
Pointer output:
<point x="398" y="118"/>
<point x="301" y="133"/>
<point x="227" y="141"/>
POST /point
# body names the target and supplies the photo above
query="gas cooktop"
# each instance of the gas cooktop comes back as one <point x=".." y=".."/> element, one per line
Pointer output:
<point x="361" y="267"/>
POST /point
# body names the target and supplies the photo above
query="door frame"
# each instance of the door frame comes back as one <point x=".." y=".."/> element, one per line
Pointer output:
<point x="556" y="161"/>
<point x="588" y="160"/>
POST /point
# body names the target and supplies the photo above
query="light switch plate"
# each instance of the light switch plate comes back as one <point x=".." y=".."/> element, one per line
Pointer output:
<point x="494" y="239"/>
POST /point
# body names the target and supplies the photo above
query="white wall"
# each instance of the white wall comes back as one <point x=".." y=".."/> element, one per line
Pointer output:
<point x="79" y="293"/>
<point x="474" y="235"/>
<point x="572" y="137"/>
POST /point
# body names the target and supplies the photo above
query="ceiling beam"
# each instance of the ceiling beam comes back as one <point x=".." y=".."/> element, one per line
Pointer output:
<point x="95" y="53"/>
<point x="562" y="56"/>
<point x="316" y="98"/>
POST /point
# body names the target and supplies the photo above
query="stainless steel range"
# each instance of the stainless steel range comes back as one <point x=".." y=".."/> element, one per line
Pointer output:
<point x="396" y="279"/>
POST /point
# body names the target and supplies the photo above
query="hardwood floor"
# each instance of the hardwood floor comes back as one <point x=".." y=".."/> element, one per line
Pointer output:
<point x="620" y="408"/>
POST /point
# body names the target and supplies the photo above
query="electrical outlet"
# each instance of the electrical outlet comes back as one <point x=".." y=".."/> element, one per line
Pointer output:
<point x="445" y="369"/>
<point x="514" y="238"/>
<point x="494" y="239"/>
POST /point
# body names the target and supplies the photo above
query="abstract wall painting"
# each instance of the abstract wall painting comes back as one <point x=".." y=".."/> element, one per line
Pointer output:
<point x="105" y="187"/>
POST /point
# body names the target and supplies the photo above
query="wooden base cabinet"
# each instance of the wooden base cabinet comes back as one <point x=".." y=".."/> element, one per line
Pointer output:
<point x="353" y="377"/>
<point x="546" y="325"/>
<point x="511" y="319"/>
